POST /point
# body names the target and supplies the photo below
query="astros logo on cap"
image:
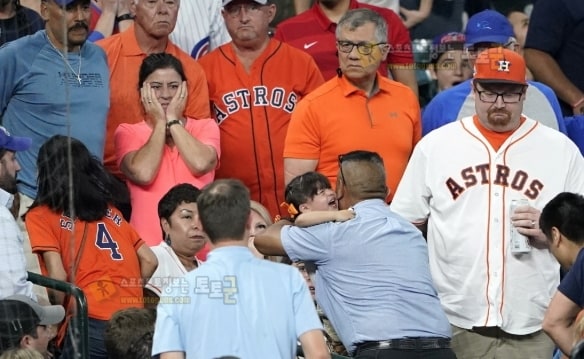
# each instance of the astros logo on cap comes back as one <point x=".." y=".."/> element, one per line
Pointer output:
<point x="500" y="65"/>
<point x="504" y="65"/>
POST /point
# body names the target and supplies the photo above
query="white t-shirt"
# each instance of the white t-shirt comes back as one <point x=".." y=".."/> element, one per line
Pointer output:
<point x="170" y="270"/>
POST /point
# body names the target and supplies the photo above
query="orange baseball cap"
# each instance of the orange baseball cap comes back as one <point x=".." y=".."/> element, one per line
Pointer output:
<point x="499" y="65"/>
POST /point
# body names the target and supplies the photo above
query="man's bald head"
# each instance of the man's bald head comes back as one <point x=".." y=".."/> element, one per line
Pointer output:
<point x="362" y="175"/>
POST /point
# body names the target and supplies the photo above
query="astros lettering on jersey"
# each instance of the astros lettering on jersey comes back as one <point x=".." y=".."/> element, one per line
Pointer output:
<point x="504" y="176"/>
<point x="241" y="99"/>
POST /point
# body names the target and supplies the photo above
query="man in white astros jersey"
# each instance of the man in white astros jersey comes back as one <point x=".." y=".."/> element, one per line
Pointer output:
<point x="458" y="187"/>
<point x="199" y="27"/>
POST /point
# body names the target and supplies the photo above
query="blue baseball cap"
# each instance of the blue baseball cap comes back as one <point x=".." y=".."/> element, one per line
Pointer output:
<point x="488" y="26"/>
<point x="13" y="143"/>
<point x="447" y="42"/>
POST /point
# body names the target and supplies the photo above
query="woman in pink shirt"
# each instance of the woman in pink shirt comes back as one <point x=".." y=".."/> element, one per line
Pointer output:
<point x="166" y="148"/>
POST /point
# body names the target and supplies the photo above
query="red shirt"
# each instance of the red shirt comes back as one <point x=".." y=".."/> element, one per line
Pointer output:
<point x="314" y="33"/>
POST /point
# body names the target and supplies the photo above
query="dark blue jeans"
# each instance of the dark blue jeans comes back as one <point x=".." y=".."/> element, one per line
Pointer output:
<point x="96" y="342"/>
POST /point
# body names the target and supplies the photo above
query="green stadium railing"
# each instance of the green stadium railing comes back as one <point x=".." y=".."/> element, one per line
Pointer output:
<point x="79" y="323"/>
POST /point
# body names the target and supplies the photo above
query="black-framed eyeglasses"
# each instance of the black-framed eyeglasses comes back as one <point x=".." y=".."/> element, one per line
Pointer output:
<point x="507" y="97"/>
<point x="363" y="48"/>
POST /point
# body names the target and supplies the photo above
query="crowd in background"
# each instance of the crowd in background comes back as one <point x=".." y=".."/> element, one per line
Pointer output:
<point x="273" y="178"/>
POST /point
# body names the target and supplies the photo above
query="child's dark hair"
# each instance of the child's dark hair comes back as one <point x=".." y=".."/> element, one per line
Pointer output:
<point x="302" y="188"/>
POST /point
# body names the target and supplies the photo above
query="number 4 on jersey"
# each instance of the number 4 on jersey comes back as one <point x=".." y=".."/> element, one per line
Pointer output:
<point x="105" y="241"/>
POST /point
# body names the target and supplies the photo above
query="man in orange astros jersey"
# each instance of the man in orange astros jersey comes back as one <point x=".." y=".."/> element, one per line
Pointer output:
<point x="254" y="85"/>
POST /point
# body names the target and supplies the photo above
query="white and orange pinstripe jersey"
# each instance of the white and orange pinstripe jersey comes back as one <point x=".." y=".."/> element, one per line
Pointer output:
<point x="463" y="187"/>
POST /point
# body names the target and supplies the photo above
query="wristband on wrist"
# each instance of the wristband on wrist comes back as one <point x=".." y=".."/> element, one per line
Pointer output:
<point x="578" y="103"/>
<point x="124" y="17"/>
<point x="173" y="122"/>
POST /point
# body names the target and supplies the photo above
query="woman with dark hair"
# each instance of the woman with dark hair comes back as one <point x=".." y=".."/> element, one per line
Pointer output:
<point x="82" y="238"/>
<point x="166" y="148"/>
<point x="183" y="239"/>
<point x="17" y="21"/>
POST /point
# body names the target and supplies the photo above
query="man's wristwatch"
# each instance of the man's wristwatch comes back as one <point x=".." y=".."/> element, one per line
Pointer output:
<point x="173" y="122"/>
<point x="124" y="17"/>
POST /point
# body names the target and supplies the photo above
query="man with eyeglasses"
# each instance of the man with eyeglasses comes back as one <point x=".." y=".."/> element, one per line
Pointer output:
<point x="373" y="281"/>
<point x="313" y="31"/>
<point x="360" y="109"/>
<point x="459" y="187"/>
<point x="255" y="83"/>
<point x="485" y="30"/>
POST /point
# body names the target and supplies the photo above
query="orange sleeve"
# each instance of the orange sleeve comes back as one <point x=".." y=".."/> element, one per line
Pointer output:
<point x="417" y="121"/>
<point x="198" y="96"/>
<point x="39" y="225"/>
<point x="135" y="239"/>
<point x="208" y="66"/>
<point x="303" y="137"/>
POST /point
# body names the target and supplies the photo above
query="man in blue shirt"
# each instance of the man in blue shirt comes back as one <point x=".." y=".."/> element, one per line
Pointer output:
<point x="235" y="304"/>
<point x="561" y="222"/>
<point x="54" y="86"/>
<point x="484" y="30"/>
<point x="53" y="82"/>
<point x="373" y="280"/>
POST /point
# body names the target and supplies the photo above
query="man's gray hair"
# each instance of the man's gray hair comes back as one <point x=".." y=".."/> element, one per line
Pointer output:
<point x="359" y="17"/>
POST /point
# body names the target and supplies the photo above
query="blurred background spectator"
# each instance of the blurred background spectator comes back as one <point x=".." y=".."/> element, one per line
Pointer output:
<point x="554" y="50"/>
<point x="17" y="21"/>
<point x="109" y="17"/>
<point x="427" y="19"/>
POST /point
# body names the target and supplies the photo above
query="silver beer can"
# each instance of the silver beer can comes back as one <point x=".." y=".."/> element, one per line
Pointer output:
<point x="519" y="243"/>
